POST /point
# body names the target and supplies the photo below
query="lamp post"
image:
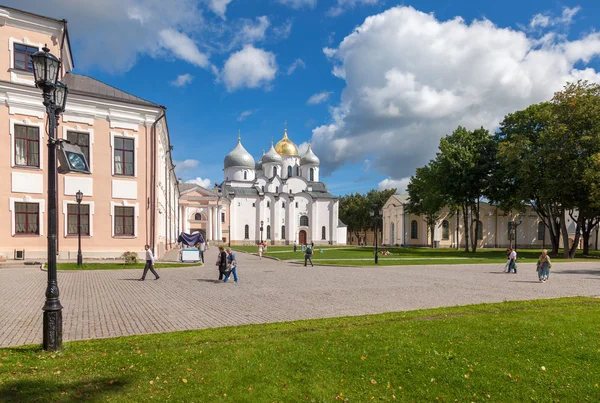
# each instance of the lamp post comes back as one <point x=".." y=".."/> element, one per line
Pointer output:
<point x="79" y="198"/>
<point x="376" y="217"/>
<point x="229" y="235"/>
<point x="261" y="230"/>
<point x="514" y="226"/>
<point x="46" y="68"/>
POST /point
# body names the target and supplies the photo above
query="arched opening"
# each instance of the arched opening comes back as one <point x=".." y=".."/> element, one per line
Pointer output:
<point x="541" y="235"/>
<point x="198" y="217"/>
<point x="289" y="171"/>
<point x="312" y="174"/>
<point x="268" y="232"/>
<point x="304" y="221"/>
<point x="274" y="171"/>
<point x="246" y="231"/>
<point x="283" y="232"/>
<point x="414" y="230"/>
<point x="445" y="230"/>
<point x="297" y="171"/>
<point x="323" y="233"/>
<point x="245" y="175"/>
<point x="393" y="234"/>
<point x="302" y="237"/>
<point x="479" y="230"/>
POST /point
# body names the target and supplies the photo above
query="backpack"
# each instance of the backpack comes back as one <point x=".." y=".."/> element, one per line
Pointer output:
<point x="309" y="250"/>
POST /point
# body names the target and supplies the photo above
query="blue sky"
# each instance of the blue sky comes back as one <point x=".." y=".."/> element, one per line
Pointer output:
<point x="387" y="79"/>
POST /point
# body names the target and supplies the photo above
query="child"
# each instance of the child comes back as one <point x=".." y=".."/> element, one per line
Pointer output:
<point x="543" y="266"/>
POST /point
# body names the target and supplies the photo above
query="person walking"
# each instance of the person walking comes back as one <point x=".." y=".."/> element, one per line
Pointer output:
<point x="543" y="266"/>
<point x="260" y="250"/>
<point x="295" y="246"/>
<point x="202" y="248"/>
<point x="308" y="256"/>
<point x="506" y="266"/>
<point x="222" y="262"/>
<point x="231" y="266"/>
<point x="149" y="264"/>
<point x="512" y="265"/>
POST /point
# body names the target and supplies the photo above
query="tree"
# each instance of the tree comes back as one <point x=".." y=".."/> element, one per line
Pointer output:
<point x="425" y="196"/>
<point x="465" y="161"/>
<point x="353" y="211"/>
<point x="376" y="199"/>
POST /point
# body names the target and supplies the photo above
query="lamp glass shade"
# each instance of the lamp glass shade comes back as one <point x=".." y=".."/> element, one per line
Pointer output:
<point x="60" y="95"/>
<point x="372" y="213"/>
<point x="46" y="67"/>
<point x="79" y="196"/>
<point x="380" y="212"/>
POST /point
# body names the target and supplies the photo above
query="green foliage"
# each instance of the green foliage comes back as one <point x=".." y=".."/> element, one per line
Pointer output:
<point x="355" y="209"/>
<point x="130" y="257"/>
<point x="538" y="351"/>
<point x="425" y="195"/>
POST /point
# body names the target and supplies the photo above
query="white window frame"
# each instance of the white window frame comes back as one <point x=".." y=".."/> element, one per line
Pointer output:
<point x="65" y="215"/>
<point x="90" y="133"/>
<point x="27" y="199"/>
<point x="26" y="122"/>
<point x="136" y="214"/>
<point x="20" y="76"/>
<point x="135" y="152"/>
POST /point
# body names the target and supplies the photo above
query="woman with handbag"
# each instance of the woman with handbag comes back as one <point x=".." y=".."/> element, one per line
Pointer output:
<point x="222" y="263"/>
<point x="231" y="266"/>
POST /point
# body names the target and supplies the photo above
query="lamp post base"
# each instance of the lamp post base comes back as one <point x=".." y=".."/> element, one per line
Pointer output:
<point x="52" y="330"/>
<point x="79" y="260"/>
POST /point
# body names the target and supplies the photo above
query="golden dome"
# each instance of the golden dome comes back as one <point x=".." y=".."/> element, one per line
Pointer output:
<point x="286" y="146"/>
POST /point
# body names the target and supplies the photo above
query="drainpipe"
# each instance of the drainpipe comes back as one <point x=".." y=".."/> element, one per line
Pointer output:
<point x="153" y="162"/>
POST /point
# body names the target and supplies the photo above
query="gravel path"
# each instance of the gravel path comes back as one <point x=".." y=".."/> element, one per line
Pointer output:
<point x="109" y="303"/>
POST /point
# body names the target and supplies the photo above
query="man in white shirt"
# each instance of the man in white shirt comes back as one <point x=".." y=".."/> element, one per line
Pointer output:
<point x="513" y="261"/>
<point x="149" y="264"/>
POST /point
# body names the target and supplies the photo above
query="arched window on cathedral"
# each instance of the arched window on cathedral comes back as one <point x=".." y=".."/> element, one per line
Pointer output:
<point x="312" y="174"/>
<point x="268" y="204"/>
<point x="263" y="189"/>
<point x="323" y="233"/>
<point x="541" y="231"/>
<point x="445" y="230"/>
<point x="283" y="232"/>
<point x="479" y="230"/>
<point x="297" y="171"/>
<point x="246" y="231"/>
<point x="289" y="172"/>
<point x="414" y="230"/>
<point x="274" y="171"/>
<point x="282" y="204"/>
<point x="245" y="175"/>
<point x="393" y="234"/>
<point x="197" y="216"/>
<point x="304" y="221"/>
<point x="276" y="189"/>
<point x="268" y="232"/>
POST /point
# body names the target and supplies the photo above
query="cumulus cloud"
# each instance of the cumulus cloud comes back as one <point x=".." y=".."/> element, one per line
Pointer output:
<point x="205" y="183"/>
<point x="412" y="79"/>
<point x="298" y="63"/>
<point x="186" y="165"/>
<point x="219" y="7"/>
<point x="299" y="3"/>
<point x="250" y="67"/>
<point x="319" y="98"/>
<point x="245" y="114"/>
<point x="182" y="80"/>
<point x="252" y="32"/>
<point x="545" y="20"/>
<point x="183" y="47"/>
<point x="398" y="184"/>
<point x="343" y="5"/>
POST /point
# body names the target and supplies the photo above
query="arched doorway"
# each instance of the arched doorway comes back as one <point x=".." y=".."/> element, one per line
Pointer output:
<point x="302" y="237"/>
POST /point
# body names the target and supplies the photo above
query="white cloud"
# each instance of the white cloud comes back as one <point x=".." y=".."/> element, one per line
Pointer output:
<point x="182" y="80"/>
<point x="319" y="98"/>
<point x="343" y="5"/>
<point x="205" y="183"/>
<point x="398" y="184"/>
<point x="183" y="47"/>
<point x="411" y="79"/>
<point x="298" y="63"/>
<point x="245" y="114"/>
<point x="219" y="7"/>
<point x="186" y="165"/>
<point x="545" y="20"/>
<point x="127" y="29"/>
<point x="250" y="67"/>
<point x="251" y="33"/>
<point x="299" y="3"/>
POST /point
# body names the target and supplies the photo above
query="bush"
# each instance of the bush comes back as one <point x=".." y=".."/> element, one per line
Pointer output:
<point x="130" y="257"/>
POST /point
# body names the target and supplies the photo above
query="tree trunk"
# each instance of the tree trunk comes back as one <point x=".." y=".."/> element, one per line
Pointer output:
<point x="432" y="228"/>
<point x="586" y="242"/>
<point x="565" y="235"/>
<point x="466" y="222"/>
<point x="457" y="229"/>
<point x="475" y="238"/>
<point x="597" y="229"/>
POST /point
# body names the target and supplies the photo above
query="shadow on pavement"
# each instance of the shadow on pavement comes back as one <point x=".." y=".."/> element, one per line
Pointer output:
<point x="205" y="280"/>
<point x="592" y="271"/>
<point x="36" y="390"/>
<point x="525" y="281"/>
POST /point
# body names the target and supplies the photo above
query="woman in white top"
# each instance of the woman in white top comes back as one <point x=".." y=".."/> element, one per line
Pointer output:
<point x="260" y="250"/>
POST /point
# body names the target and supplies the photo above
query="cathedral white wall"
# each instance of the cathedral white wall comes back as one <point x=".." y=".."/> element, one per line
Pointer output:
<point x="296" y="184"/>
<point x="306" y="172"/>
<point x="239" y="174"/>
<point x="269" y="169"/>
<point x="290" y="161"/>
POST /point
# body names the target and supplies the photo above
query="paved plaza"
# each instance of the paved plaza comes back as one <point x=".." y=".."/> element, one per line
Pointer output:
<point x="114" y="303"/>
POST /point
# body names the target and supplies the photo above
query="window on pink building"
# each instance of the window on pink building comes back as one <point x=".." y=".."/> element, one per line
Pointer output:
<point x="27" y="218"/>
<point x="22" y="55"/>
<point x="72" y="219"/>
<point x="27" y="146"/>
<point x="82" y="140"/>
<point x="124" y="157"/>
<point x="124" y="221"/>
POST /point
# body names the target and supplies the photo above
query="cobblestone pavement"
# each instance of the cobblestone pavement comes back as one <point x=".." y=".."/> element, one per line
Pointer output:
<point x="109" y="303"/>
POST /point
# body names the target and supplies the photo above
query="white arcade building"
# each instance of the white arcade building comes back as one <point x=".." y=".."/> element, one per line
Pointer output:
<point x="279" y="199"/>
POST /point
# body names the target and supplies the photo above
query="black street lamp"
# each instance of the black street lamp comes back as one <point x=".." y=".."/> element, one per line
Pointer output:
<point x="229" y="236"/>
<point x="513" y="231"/>
<point x="376" y="229"/>
<point x="79" y="198"/>
<point x="46" y="68"/>
<point x="261" y="230"/>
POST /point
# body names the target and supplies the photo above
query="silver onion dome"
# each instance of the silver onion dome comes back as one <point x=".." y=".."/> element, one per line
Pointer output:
<point x="259" y="166"/>
<point x="239" y="157"/>
<point x="309" y="158"/>
<point x="272" y="157"/>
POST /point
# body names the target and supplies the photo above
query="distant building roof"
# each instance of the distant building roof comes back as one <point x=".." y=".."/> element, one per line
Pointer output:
<point x="184" y="187"/>
<point x="241" y="191"/>
<point x="341" y="224"/>
<point x="401" y="198"/>
<point x="84" y="85"/>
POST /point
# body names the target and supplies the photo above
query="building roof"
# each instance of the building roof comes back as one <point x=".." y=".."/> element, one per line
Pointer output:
<point x="318" y="186"/>
<point x="271" y="157"/>
<point x="84" y="85"/>
<point x="241" y="191"/>
<point x="341" y="224"/>
<point x="184" y="187"/>
<point x="309" y="158"/>
<point x="401" y="198"/>
<point x="239" y="157"/>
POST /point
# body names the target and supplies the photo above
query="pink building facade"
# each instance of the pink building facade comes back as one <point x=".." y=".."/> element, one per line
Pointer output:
<point x="131" y="197"/>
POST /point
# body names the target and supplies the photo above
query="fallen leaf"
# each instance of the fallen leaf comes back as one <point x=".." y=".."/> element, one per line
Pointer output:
<point x="373" y="381"/>
<point x="184" y="380"/>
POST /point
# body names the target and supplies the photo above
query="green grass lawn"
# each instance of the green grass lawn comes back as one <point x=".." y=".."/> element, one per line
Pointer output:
<point x="356" y="256"/>
<point x="533" y="351"/>
<point x="119" y="266"/>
